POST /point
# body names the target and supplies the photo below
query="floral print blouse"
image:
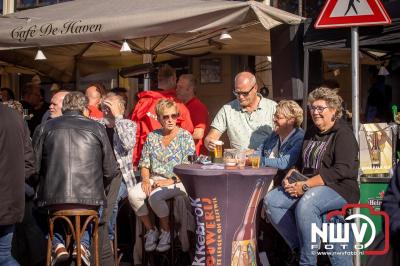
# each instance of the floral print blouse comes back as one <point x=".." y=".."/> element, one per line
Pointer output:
<point x="162" y="160"/>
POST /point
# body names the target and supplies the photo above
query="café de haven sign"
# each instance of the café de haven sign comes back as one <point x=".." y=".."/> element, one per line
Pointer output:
<point x="24" y="33"/>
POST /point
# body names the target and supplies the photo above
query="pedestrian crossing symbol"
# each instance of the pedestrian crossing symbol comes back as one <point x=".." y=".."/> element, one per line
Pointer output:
<point x="348" y="13"/>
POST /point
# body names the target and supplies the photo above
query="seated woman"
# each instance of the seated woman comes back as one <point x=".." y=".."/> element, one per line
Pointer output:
<point x="329" y="159"/>
<point x="163" y="150"/>
<point x="282" y="148"/>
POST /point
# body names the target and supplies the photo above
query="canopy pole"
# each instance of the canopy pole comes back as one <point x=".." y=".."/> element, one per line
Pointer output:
<point x="355" y="82"/>
<point x="77" y="74"/>
<point x="306" y="66"/>
<point x="147" y="58"/>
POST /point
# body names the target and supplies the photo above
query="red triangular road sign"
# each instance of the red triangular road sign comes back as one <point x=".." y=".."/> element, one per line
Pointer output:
<point x="347" y="13"/>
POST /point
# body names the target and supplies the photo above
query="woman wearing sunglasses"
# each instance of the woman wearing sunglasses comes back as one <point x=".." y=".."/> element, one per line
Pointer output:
<point x="329" y="161"/>
<point x="163" y="150"/>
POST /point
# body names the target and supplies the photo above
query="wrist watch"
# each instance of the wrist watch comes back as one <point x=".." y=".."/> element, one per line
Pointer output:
<point x="174" y="179"/>
<point x="305" y="187"/>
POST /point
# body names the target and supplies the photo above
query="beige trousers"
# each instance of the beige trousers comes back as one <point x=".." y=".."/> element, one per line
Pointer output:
<point x="157" y="198"/>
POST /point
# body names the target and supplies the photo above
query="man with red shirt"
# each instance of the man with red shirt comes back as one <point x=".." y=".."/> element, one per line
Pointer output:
<point x="185" y="91"/>
<point x="144" y="113"/>
<point x="94" y="93"/>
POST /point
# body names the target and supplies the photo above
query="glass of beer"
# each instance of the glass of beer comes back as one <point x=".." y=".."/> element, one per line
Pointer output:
<point x="255" y="159"/>
<point x="218" y="149"/>
<point x="241" y="159"/>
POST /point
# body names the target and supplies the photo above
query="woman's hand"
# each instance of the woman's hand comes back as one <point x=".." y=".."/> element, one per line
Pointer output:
<point x="146" y="186"/>
<point x="289" y="173"/>
<point x="295" y="190"/>
<point x="163" y="183"/>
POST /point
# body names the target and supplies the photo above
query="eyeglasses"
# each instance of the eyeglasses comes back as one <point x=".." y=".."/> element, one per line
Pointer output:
<point x="173" y="116"/>
<point x="278" y="117"/>
<point x="319" y="109"/>
<point x="243" y="93"/>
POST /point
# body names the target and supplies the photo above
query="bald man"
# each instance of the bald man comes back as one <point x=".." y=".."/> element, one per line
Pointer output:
<point x="56" y="104"/>
<point x="94" y="93"/>
<point x="248" y="119"/>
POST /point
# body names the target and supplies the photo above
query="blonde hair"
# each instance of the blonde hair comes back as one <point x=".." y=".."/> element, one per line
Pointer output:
<point x="165" y="104"/>
<point x="290" y="109"/>
<point x="330" y="96"/>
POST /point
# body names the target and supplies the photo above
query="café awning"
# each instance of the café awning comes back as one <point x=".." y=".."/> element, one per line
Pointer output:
<point x="87" y="34"/>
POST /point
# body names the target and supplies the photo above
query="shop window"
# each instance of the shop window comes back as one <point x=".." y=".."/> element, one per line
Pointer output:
<point x="26" y="4"/>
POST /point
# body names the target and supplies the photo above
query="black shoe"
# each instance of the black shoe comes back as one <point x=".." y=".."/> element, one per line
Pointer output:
<point x="293" y="258"/>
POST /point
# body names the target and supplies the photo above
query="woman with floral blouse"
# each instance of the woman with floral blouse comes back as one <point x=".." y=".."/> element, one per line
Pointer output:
<point x="163" y="150"/>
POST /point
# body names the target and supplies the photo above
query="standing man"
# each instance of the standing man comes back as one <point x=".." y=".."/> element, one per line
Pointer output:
<point x="75" y="162"/>
<point x="33" y="102"/>
<point x="185" y="91"/>
<point x="94" y="93"/>
<point x="144" y="113"/>
<point x="122" y="134"/>
<point x="16" y="164"/>
<point x="248" y="119"/>
<point x="55" y="106"/>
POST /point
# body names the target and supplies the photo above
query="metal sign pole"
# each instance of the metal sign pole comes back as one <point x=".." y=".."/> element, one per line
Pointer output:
<point x="355" y="83"/>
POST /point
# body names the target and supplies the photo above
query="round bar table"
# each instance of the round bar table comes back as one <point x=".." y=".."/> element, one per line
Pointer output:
<point x="226" y="205"/>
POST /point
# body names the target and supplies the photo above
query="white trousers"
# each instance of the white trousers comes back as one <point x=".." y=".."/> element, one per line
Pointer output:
<point x="157" y="198"/>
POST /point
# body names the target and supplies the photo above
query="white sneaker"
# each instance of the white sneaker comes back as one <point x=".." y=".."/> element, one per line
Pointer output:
<point x="85" y="255"/>
<point x="164" y="243"/>
<point x="151" y="240"/>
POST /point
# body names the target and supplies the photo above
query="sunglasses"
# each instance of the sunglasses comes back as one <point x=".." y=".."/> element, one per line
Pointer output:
<point x="319" y="109"/>
<point x="173" y="116"/>
<point x="243" y="93"/>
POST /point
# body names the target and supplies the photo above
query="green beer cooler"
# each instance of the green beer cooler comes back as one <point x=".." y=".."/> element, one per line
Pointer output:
<point x="372" y="191"/>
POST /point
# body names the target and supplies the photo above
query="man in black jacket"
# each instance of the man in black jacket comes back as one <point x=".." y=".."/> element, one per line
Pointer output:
<point x="16" y="164"/>
<point x="75" y="162"/>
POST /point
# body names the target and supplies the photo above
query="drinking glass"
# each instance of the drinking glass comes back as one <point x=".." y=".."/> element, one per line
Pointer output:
<point x="255" y="159"/>
<point x="230" y="158"/>
<point x="192" y="158"/>
<point x="241" y="159"/>
<point x="218" y="148"/>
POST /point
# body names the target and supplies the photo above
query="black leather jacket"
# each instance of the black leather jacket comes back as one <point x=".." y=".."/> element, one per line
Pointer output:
<point x="75" y="161"/>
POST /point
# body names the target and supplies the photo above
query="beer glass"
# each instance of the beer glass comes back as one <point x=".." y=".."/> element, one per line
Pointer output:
<point x="241" y="159"/>
<point x="255" y="159"/>
<point x="218" y="149"/>
<point x="230" y="158"/>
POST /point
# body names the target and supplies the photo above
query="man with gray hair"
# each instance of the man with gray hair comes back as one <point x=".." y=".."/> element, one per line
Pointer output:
<point x="248" y="119"/>
<point x="75" y="163"/>
<point x="122" y="135"/>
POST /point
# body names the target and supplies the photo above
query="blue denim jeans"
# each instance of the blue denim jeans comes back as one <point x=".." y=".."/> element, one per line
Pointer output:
<point x="86" y="238"/>
<point x="292" y="217"/>
<point x="6" y="236"/>
<point x="122" y="194"/>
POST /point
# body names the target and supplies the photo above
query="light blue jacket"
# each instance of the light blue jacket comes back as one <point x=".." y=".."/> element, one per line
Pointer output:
<point x="288" y="153"/>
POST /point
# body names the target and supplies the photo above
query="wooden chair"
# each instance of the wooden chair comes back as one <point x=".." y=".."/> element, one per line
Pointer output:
<point x="75" y="231"/>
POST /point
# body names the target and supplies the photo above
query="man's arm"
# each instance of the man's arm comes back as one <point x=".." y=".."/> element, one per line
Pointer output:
<point x="126" y="131"/>
<point x="198" y="133"/>
<point x="212" y="136"/>
<point x="29" y="156"/>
